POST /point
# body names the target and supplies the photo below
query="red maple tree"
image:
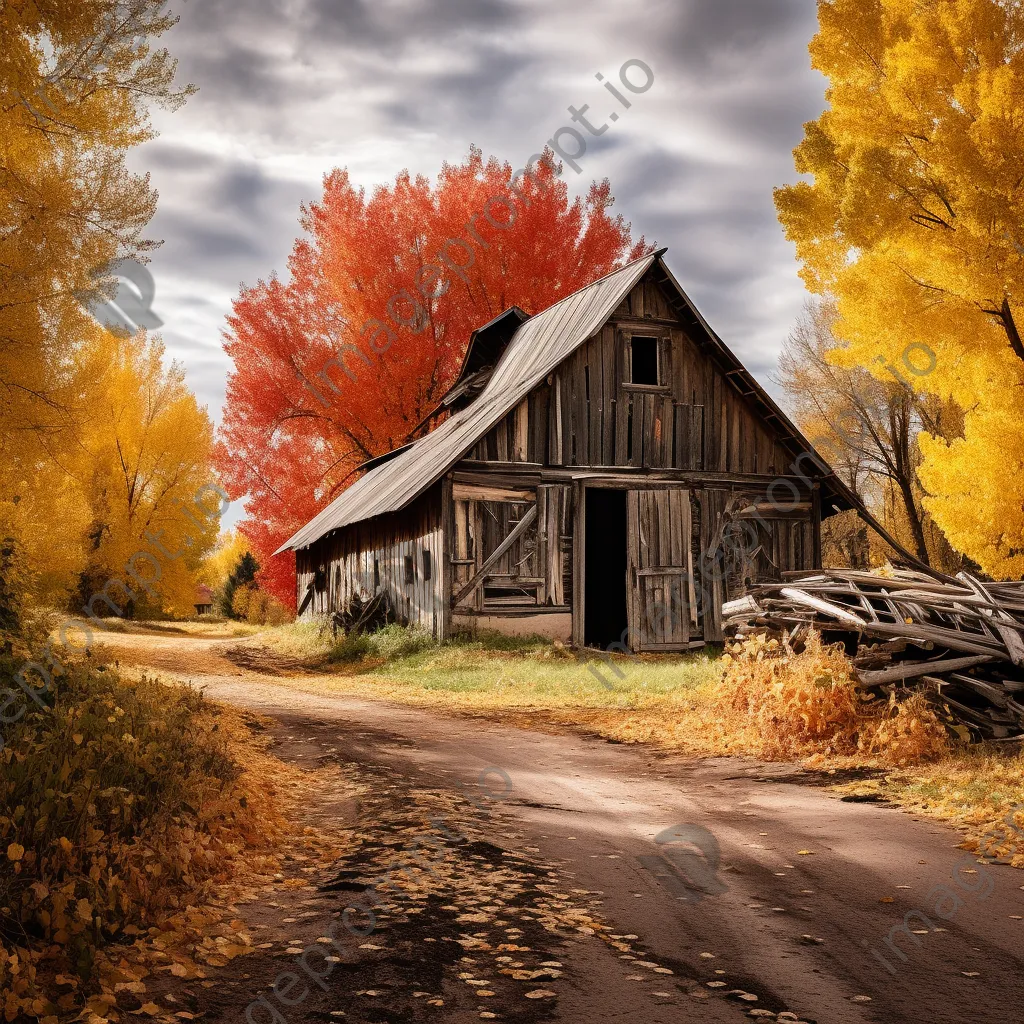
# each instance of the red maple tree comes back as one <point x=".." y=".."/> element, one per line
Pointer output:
<point x="344" y="361"/>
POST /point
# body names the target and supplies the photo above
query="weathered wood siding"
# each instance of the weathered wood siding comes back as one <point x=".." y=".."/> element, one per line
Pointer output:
<point x="534" y="571"/>
<point x="588" y="414"/>
<point x="402" y="553"/>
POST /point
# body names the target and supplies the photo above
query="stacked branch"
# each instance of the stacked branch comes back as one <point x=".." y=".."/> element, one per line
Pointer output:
<point x="959" y="639"/>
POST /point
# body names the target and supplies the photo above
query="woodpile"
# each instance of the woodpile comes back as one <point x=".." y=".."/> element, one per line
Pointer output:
<point x="959" y="639"/>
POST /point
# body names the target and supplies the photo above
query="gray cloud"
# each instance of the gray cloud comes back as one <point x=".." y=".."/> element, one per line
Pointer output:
<point x="290" y="89"/>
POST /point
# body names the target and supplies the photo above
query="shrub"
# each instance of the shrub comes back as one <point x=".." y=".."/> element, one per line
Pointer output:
<point x="243" y="574"/>
<point x="783" y="704"/>
<point x="119" y="804"/>
<point x="387" y="644"/>
<point x="257" y="607"/>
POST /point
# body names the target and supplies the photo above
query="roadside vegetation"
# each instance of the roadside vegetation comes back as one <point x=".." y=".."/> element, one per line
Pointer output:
<point x="128" y="809"/>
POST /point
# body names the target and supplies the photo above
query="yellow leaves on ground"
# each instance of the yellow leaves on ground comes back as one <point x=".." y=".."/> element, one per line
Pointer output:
<point x="114" y="836"/>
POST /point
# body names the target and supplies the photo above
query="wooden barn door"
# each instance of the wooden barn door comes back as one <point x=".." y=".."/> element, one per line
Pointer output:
<point x="659" y="569"/>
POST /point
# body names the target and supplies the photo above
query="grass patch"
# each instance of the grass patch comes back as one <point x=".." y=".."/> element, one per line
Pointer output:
<point x="978" y="789"/>
<point x="487" y="670"/>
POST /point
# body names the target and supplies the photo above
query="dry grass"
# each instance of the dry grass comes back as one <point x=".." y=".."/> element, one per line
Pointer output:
<point x="778" y="704"/>
<point x="212" y="629"/>
<point x="524" y="680"/>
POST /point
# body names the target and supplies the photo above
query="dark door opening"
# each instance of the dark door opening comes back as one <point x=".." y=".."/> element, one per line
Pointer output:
<point x="604" y="600"/>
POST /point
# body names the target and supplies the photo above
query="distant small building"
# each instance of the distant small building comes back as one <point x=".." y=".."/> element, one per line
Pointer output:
<point x="609" y="474"/>
<point x="204" y="601"/>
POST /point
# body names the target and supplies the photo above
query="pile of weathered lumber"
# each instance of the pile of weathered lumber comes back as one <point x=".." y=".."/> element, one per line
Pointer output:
<point x="960" y="639"/>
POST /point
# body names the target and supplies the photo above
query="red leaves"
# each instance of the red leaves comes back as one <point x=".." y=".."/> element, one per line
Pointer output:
<point x="345" y="361"/>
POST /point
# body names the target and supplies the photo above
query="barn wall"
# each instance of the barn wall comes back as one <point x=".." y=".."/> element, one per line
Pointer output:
<point x="587" y="414"/>
<point x="402" y="552"/>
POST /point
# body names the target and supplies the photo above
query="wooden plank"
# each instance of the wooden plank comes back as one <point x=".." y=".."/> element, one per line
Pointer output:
<point x="816" y="527"/>
<point x="667" y="428"/>
<point x="555" y="424"/>
<point x="580" y="442"/>
<point x="495" y="556"/>
<point x="554" y="563"/>
<point x="542" y="542"/>
<point x="594" y="397"/>
<point x="643" y="445"/>
<point x="735" y="437"/>
<point x="636" y="300"/>
<point x="539" y="425"/>
<point x="501" y="441"/>
<point x="579" y="574"/>
<point x="476" y="492"/>
<point x="521" y="432"/>
<point x="660" y="503"/>
<point x="609" y="386"/>
<point x="623" y="415"/>
<point x="632" y="566"/>
<point x="697" y="445"/>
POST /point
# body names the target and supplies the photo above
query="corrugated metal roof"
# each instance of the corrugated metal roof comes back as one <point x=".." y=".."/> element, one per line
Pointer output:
<point x="537" y="347"/>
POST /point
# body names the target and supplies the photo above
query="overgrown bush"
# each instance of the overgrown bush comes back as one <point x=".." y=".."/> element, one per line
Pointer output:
<point x="119" y="805"/>
<point x="386" y="644"/>
<point x="257" y="607"/>
<point x="780" y="704"/>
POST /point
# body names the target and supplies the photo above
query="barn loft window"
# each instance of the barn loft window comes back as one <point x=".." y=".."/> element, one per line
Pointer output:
<point x="643" y="361"/>
<point x="427" y="567"/>
<point x="410" y="570"/>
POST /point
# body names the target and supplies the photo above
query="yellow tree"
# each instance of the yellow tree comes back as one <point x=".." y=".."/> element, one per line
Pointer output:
<point x="76" y="80"/>
<point x="154" y="504"/>
<point x="868" y="429"/>
<point x="914" y="220"/>
<point x="231" y="545"/>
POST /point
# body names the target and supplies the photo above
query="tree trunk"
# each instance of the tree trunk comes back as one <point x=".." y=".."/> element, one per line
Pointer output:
<point x="1010" y="326"/>
<point x="914" y="518"/>
<point x="900" y="417"/>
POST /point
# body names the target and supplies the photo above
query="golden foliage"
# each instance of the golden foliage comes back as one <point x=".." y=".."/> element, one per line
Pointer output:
<point x="258" y="608"/>
<point x="231" y="545"/>
<point x="914" y="222"/>
<point x="120" y="807"/>
<point x="778" y="704"/>
<point x="147" y="473"/>
<point x="77" y="81"/>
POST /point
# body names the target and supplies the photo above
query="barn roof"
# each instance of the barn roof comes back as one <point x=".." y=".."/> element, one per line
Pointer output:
<point x="537" y="348"/>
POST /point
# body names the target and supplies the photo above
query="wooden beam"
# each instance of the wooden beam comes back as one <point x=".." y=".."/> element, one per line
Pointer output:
<point x="471" y="492"/>
<point x="478" y="577"/>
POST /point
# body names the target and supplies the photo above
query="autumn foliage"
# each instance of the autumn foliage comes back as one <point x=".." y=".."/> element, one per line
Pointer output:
<point x="778" y="703"/>
<point x="345" y="360"/>
<point x="914" y="222"/>
<point x="121" y="806"/>
<point x="100" y="439"/>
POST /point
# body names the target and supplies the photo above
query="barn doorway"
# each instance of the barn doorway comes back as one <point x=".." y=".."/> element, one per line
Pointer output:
<point x="605" y="620"/>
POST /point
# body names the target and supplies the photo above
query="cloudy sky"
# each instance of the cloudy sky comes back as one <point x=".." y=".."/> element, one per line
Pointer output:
<point x="292" y="88"/>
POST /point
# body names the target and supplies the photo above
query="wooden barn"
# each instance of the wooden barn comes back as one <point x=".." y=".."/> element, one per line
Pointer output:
<point x="609" y="473"/>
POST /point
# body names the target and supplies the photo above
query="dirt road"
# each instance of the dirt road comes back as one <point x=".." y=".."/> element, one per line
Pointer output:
<point x="824" y="910"/>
